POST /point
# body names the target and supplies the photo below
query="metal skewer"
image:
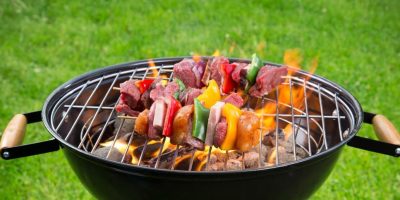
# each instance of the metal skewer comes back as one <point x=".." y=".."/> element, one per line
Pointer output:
<point x="243" y="166"/>
<point x="160" y="152"/>
<point x="175" y="156"/>
<point x="144" y="149"/>
<point x="126" y="117"/>
<point x="192" y="159"/>
<point x="226" y="160"/>
<point x="208" y="158"/>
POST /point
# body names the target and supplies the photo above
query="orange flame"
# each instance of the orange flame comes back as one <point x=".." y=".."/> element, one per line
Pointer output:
<point x="121" y="146"/>
<point x="289" y="97"/>
<point x="196" y="57"/>
<point x="153" y="68"/>
<point x="155" y="73"/>
<point x="292" y="58"/>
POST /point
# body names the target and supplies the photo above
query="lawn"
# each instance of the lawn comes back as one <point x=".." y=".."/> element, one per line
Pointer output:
<point x="45" y="43"/>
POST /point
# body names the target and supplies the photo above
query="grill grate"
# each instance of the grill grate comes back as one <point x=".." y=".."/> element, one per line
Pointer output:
<point x="304" y="122"/>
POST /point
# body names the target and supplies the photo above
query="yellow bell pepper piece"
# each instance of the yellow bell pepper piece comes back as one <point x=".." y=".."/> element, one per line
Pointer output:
<point x="232" y="114"/>
<point x="211" y="95"/>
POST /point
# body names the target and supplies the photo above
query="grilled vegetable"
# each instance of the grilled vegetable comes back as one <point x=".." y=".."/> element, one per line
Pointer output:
<point x="159" y="114"/>
<point x="252" y="71"/>
<point x="173" y="106"/>
<point x="200" y="120"/>
<point x="182" y="88"/>
<point x="232" y="114"/>
<point x="213" y="119"/>
<point x="143" y="85"/>
<point x="227" y="84"/>
<point x="248" y="131"/>
<point x="211" y="95"/>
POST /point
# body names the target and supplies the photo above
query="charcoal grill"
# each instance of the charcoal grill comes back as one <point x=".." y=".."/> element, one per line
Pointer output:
<point x="81" y="115"/>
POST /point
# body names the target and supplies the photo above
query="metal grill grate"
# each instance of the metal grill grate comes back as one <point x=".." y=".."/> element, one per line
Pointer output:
<point x="308" y="125"/>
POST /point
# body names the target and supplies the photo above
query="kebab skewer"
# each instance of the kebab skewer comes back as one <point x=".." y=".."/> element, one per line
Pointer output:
<point x="200" y="131"/>
<point x="254" y="78"/>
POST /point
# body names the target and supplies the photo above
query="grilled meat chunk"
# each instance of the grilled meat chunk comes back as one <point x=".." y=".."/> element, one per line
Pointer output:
<point x="239" y="73"/>
<point x="183" y="71"/>
<point x="198" y="70"/>
<point x="213" y="69"/>
<point x="187" y="97"/>
<point x="206" y="75"/>
<point x="130" y="94"/>
<point x="268" y="78"/>
<point x="145" y="98"/>
<point x="129" y="98"/>
<point x="182" y="128"/>
<point x="234" y="99"/>
<point x="248" y="132"/>
<point x="157" y="92"/>
<point x="220" y="132"/>
<point x="171" y="89"/>
<point x="182" y="125"/>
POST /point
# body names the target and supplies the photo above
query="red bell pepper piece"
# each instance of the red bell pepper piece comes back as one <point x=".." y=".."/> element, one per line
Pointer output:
<point x="143" y="85"/>
<point x="227" y="82"/>
<point x="173" y="106"/>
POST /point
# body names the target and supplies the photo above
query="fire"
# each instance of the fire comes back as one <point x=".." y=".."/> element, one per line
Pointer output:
<point x="155" y="73"/>
<point x="121" y="146"/>
<point x="288" y="95"/>
<point x="167" y="145"/>
<point x="292" y="58"/>
<point x="153" y="68"/>
<point x="196" y="57"/>
<point x="199" y="158"/>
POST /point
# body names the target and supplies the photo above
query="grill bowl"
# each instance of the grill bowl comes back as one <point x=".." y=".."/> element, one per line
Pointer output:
<point x="109" y="179"/>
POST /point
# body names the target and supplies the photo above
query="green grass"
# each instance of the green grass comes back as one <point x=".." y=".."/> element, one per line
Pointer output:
<point x="45" y="43"/>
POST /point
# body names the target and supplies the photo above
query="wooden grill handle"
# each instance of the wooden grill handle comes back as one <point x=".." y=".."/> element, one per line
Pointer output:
<point x="385" y="130"/>
<point x="14" y="132"/>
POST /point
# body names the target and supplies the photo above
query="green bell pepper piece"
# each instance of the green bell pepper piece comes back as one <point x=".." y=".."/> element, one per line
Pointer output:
<point x="252" y="72"/>
<point x="200" y="119"/>
<point x="182" y="87"/>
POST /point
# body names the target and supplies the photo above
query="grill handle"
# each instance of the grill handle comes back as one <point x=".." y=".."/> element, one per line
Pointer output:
<point x="385" y="130"/>
<point x="14" y="132"/>
<point x="13" y="135"/>
<point x="388" y="135"/>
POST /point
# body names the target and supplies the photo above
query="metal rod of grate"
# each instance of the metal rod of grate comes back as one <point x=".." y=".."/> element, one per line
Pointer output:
<point x="167" y="72"/>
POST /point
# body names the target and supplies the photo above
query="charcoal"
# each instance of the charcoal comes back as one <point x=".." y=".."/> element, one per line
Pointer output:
<point x="251" y="159"/>
<point x="168" y="156"/>
<point x="127" y="127"/>
<point x="115" y="155"/>
<point x="233" y="164"/>
<point x="270" y="138"/>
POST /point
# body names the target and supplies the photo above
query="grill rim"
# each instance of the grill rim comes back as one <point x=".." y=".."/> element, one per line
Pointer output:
<point x="55" y="96"/>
